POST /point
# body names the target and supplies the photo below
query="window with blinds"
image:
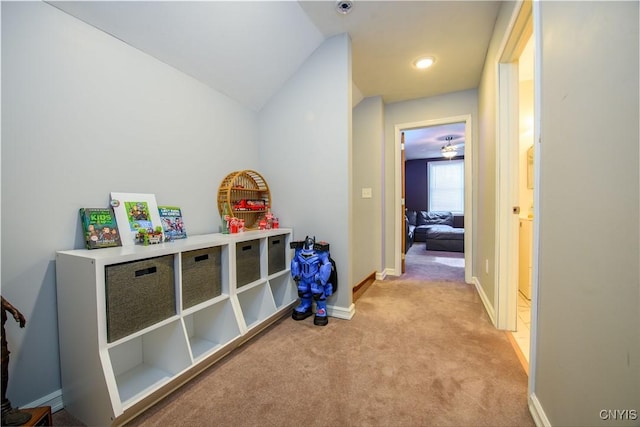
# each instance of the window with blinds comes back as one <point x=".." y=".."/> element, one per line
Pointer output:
<point x="445" y="182"/>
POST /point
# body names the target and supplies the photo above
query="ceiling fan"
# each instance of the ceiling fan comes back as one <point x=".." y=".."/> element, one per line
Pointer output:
<point x="448" y="150"/>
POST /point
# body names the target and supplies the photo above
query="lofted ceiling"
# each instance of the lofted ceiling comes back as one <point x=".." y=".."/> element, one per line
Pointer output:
<point x="248" y="49"/>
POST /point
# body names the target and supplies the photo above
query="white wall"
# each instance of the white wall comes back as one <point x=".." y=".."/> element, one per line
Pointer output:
<point x="368" y="147"/>
<point x="588" y="331"/>
<point x="485" y="162"/>
<point x="436" y="107"/>
<point x="81" y="114"/>
<point x="305" y="153"/>
<point x="81" y="111"/>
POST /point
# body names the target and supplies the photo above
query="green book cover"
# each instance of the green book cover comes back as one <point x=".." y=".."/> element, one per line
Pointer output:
<point x="99" y="227"/>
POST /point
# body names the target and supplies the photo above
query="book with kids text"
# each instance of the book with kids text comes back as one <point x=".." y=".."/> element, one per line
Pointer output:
<point x="100" y="228"/>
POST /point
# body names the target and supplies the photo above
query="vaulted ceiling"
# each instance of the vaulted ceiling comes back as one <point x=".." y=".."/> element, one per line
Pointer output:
<point x="248" y="49"/>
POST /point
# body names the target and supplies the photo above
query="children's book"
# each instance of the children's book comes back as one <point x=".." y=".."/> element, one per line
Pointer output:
<point x="136" y="216"/>
<point x="99" y="227"/>
<point x="172" y="222"/>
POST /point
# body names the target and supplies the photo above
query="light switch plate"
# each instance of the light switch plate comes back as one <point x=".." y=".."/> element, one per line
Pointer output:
<point x="366" y="193"/>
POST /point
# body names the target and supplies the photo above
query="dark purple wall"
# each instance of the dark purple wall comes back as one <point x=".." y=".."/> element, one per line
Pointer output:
<point x="415" y="185"/>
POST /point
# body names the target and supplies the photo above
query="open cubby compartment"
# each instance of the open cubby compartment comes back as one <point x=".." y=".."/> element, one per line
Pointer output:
<point x="210" y="328"/>
<point x="256" y="304"/>
<point x="283" y="289"/>
<point x="144" y="363"/>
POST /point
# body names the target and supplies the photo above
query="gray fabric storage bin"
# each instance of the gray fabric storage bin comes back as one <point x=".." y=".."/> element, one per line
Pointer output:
<point x="138" y="294"/>
<point x="276" y="253"/>
<point x="247" y="262"/>
<point x="201" y="278"/>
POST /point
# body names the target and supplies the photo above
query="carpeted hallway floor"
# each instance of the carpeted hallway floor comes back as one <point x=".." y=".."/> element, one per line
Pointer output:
<point x="418" y="352"/>
<point x="424" y="265"/>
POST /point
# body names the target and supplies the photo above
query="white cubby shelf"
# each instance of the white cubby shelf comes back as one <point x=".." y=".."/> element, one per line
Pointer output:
<point x="137" y="322"/>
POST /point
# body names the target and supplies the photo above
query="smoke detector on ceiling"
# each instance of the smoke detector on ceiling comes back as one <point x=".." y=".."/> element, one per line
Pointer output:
<point x="344" y="6"/>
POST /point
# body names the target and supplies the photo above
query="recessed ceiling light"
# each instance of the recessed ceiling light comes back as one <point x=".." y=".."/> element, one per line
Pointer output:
<point x="344" y="6"/>
<point x="424" y="62"/>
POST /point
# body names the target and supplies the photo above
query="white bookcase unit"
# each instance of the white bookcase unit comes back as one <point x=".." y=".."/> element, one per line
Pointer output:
<point x="137" y="322"/>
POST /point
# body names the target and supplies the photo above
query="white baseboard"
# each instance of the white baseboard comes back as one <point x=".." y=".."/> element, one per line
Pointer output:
<point x="52" y="399"/>
<point x="341" y="312"/>
<point x="485" y="300"/>
<point x="391" y="272"/>
<point x="537" y="413"/>
<point x="382" y="275"/>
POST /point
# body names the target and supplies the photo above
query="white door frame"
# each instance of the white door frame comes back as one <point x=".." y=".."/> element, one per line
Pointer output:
<point x="507" y="221"/>
<point x="525" y="23"/>
<point x="468" y="187"/>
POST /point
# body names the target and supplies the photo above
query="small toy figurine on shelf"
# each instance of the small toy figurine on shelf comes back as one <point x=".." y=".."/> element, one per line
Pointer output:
<point x="149" y="236"/>
<point x="269" y="219"/>
<point x="142" y="236"/>
<point x="234" y="225"/>
<point x="155" y="236"/>
<point x="315" y="274"/>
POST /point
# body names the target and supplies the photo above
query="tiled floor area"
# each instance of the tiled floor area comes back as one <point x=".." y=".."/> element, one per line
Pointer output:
<point x="523" y="332"/>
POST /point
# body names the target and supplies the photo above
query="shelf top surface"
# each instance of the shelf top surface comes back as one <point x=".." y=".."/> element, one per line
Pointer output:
<point x="122" y="253"/>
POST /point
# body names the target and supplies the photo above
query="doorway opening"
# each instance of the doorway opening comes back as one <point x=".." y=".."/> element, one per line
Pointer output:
<point x="526" y="156"/>
<point x="434" y="194"/>
<point x="466" y="153"/>
<point x="518" y="127"/>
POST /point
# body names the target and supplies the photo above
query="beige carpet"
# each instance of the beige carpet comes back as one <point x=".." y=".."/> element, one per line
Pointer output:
<point x="417" y="353"/>
<point x="425" y="265"/>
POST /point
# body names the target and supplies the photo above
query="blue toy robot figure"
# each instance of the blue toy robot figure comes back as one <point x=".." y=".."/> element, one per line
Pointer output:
<point x="314" y="272"/>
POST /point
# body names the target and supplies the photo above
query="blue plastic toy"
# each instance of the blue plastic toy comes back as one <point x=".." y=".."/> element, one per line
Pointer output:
<point x="315" y="274"/>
